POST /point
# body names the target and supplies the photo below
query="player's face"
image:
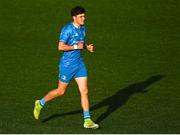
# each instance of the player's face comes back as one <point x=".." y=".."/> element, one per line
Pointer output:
<point x="79" y="19"/>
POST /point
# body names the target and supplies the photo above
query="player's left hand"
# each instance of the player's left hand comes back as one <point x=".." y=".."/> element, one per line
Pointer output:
<point x="90" y="47"/>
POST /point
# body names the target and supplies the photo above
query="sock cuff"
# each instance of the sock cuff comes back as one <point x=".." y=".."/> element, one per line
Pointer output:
<point x="86" y="114"/>
<point x="42" y="102"/>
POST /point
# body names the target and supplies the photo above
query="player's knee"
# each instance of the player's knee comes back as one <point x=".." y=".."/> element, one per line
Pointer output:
<point x="60" y="92"/>
<point x="84" y="91"/>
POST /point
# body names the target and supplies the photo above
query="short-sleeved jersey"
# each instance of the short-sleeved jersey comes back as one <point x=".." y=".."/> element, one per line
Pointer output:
<point x="71" y="35"/>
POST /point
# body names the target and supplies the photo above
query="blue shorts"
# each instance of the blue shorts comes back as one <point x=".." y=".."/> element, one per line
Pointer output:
<point x="66" y="74"/>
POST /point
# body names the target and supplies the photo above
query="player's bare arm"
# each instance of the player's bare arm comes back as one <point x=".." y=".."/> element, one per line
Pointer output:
<point x="64" y="47"/>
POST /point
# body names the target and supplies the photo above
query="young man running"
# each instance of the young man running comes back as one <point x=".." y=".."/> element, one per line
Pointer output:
<point x="72" y="42"/>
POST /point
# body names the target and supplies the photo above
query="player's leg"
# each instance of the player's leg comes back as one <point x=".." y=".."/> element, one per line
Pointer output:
<point x="56" y="92"/>
<point x="83" y="88"/>
<point x="51" y="95"/>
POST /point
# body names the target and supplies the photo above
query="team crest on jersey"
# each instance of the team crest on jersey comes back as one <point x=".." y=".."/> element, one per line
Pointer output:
<point x="76" y="34"/>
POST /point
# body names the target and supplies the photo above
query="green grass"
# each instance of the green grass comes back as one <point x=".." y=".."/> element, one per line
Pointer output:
<point x="137" y="49"/>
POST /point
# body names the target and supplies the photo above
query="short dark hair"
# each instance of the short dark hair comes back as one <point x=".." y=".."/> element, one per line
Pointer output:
<point x="77" y="10"/>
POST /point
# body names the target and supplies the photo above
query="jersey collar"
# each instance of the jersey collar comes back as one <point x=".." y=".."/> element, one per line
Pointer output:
<point x="76" y="26"/>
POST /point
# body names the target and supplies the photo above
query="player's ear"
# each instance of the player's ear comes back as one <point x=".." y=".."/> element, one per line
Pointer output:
<point x="74" y="17"/>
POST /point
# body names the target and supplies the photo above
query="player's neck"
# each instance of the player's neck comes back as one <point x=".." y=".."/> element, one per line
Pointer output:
<point x="76" y="25"/>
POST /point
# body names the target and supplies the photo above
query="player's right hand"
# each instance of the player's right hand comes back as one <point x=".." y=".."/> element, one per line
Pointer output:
<point x="80" y="45"/>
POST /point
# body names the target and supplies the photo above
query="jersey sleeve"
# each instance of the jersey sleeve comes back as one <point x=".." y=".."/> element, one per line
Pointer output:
<point x="64" y="35"/>
<point x="83" y="30"/>
<point x="84" y="33"/>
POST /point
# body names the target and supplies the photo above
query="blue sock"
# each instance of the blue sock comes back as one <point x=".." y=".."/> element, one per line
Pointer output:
<point x="42" y="102"/>
<point x="86" y="114"/>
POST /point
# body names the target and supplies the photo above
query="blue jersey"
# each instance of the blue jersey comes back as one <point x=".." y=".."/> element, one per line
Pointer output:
<point x="71" y="35"/>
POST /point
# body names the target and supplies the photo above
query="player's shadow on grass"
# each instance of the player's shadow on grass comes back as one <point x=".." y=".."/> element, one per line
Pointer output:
<point x="116" y="100"/>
